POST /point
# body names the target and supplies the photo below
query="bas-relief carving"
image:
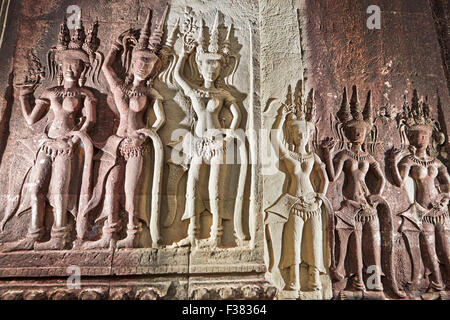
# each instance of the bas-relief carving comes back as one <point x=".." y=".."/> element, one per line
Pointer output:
<point x="203" y="71"/>
<point x="301" y="212"/>
<point x="306" y="237"/>
<point x="362" y="228"/>
<point x="122" y="177"/>
<point x="123" y="174"/>
<point x="424" y="222"/>
<point x="58" y="176"/>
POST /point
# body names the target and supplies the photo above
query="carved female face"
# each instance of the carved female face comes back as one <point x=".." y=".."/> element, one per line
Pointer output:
<point x="356" y="132"/>
<point x="419" y="136"/>
<point x="143" y="64"/>
<point x="300" y="133"/>
<point x="72" y="69"/>
<point x="210" y="68"/>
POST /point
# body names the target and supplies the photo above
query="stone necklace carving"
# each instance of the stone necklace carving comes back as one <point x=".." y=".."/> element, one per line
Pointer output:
<point x="424" y="163"/>
<point x="300" y="158"/>
<point x="61" y="92"/>
<point x="355" y="156"/>
<point x="133" y="92"/>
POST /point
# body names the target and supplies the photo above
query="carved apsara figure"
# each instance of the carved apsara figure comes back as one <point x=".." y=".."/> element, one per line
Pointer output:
<point x="205" y="148"/>
<point x="55" y="176"/>
<point x="425" y="224"/>
<point x="125" y="158"/>
<point x="358" y="219"/>
<point x="303" y="208"/>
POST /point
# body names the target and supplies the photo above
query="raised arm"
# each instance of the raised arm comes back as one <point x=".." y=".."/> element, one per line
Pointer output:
<point x="381" y="181"/>
<point x="90" y="102"/>
<point x="108" y="70"/>
<point x="394" y="160"/>
<point x="183" y="83"/>
<point x="320" y="170"/>
<point x="334" y="166"/>
<point x="33" y="113"/>
<point x="278" y="139"/>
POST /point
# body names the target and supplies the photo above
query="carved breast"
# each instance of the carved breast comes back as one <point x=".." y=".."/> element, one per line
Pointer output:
<point x="418" y="172"/>
<point x="71" y="104"/>
<point x="137" y="103"/>
<point x="213" y="104"/>
<point x="360" y="167"/>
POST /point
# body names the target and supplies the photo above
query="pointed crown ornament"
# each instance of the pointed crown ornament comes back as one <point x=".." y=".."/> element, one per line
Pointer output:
<point x="352" y="114"/>
<point x="214" y="51"/>
<point x="417" y="115"/>
<point x="151" y="41"/>
<point x="303" y="107"/>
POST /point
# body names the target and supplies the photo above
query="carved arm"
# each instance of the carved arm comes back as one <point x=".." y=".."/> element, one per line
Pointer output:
<point x="33" y="114"/>
<point x="183" y="83"/>
<point x="334" y="166"/>
<point x="381" y="179"/>
<point x="108" y="71"/>
<point x="236" y="116"/>
<point x="320" y="170"/>
<point x="444" y="179"/>
<point x="160" y="115"/>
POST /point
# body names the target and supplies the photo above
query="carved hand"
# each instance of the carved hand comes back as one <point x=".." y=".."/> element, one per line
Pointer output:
<point x="27" y="88"/>
<point x="328" y="144"/>
<point x="285" y="110"/>
<point x="188" y="49"/>
<point x="396" y="154"/>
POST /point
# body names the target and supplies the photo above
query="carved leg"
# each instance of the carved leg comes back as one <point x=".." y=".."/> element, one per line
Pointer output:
<point x="358" y="282"/>
<point x="292" y="245"/>
<point x="39" y="178"/>
<point x="343" y="235"/>
<point x="443" y="234"/>
<point x="431" y="258"/>
<point x="314" y="256"/>
<point x="59" y="190"/>
<point x="374" y="238"/>
<point x="133" y="171"/>
<point x="111" y="205"/>
<point x="412" y="242"/>
<point x="192" y="188"/>
<point x="214" y="199"/>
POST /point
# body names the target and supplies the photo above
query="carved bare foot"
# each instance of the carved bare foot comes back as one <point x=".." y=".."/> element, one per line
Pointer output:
<point x="358" y="284"/>
<point x="314" y="283"/>
<point x="24" y="244"/>
<point x="336" y="275"/>
<point x="292" y="286"/>
<point x="128" y="242"/>
<point x="102" y="243"/>
<point x="186" y="242"/>
<point x="52" y="244"/>
<point x="212" y="242"/>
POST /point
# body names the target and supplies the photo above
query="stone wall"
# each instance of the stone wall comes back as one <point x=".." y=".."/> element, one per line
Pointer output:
<point x="246" y="243"/>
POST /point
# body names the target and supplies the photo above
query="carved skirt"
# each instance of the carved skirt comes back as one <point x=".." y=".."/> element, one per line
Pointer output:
<point x="353" y="215"/>
<point x="133" y="147"/>
<point x="414" y="217"/>
<point x="56" y="148"/>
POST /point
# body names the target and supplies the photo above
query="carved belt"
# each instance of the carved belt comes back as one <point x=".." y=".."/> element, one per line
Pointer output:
<point x="435" y="217"/>
<point x="53" y="151"/>
<point x="305" y="213"/>
<point x="128" y="148"/>
<point x="366" y="214"/>
<point x="208" y="148"/>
